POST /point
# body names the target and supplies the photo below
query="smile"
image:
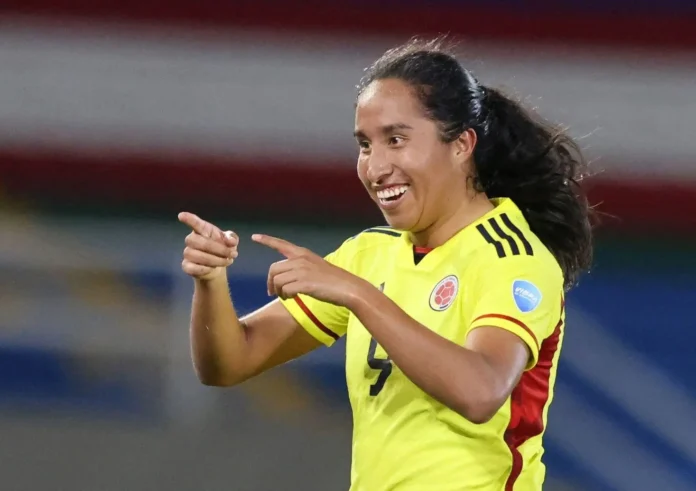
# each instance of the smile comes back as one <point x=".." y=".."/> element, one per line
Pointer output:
<point x="390" y="197"/>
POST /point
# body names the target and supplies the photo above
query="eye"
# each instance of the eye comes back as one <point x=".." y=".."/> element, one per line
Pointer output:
<point x="396" y="140"/>
<point x="364" y="144"/>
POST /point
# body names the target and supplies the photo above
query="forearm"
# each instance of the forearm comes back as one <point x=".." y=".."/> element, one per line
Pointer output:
<point x="218" y="339"/>
<point x="460" y="378"/>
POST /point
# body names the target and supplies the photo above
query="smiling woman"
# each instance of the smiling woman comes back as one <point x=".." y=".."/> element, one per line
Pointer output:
<point x="454" y="315"/>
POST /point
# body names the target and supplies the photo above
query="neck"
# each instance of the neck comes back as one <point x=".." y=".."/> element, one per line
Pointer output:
<point x="443" y="229"/>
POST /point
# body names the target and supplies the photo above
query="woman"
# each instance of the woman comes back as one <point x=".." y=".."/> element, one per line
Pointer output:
<point x="454" y="313"/>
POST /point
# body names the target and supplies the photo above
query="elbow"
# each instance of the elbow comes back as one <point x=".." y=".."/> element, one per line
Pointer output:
<point x="480" y="414"/>
<point x="217" y="382"/>
<point x="479" y="408"/>
<point x="211" y="378"/>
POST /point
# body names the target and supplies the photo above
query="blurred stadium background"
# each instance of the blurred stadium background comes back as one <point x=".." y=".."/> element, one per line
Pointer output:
<point x="114" y="116"/>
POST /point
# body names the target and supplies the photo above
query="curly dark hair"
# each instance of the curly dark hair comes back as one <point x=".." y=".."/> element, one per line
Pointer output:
<point x="518" y="155"/>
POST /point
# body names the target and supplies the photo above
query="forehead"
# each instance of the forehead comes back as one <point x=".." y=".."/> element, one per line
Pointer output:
<point x="384" y="101"/>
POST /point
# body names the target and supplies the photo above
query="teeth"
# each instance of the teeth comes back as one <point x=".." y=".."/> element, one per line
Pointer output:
<point x="391" y="192"/>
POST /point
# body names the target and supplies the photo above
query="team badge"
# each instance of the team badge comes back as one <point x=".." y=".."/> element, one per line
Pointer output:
<point x="526" y="295"/>
<point x="444" y="293"/>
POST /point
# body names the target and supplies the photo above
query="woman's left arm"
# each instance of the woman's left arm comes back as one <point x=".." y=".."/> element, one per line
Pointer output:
<point x="474" y="380"/>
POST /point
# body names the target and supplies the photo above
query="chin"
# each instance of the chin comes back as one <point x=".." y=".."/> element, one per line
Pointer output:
<point x="400" y="222"/>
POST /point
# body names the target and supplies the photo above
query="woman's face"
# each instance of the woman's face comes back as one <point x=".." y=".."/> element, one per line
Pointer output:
<point x="412" y="175"/>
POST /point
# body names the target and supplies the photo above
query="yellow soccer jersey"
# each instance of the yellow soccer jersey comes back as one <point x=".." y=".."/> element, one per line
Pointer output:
<point x="494" y="272"/>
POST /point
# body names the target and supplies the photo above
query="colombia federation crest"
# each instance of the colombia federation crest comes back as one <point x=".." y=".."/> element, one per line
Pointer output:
<point x="444" y="293"/>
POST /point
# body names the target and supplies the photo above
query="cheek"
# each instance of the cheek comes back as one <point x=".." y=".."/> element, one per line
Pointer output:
<point x="435" y="176"/>
<point x="362" y="171"/>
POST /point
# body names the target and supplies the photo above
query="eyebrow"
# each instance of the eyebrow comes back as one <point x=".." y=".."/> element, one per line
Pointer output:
<point x="385" y="130"/>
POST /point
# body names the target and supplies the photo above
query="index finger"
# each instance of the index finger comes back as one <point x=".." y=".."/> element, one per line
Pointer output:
<point x="198" y="225"/>
<point x="287" y="249"/>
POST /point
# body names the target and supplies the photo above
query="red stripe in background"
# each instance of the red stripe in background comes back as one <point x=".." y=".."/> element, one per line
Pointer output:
<point x="270" y="188"/>
<point x="650" y="29"/>
<point x="510" y="319"/>
<point x="528" y="400"/>
<point x="314" y="319"/>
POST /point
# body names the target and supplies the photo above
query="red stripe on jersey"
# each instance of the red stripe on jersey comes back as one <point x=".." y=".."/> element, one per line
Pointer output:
<point x="511" y="319"/>
<point x="314" y="319"/>
<point x="528" y="400"/>
<point x="422" y="250"/>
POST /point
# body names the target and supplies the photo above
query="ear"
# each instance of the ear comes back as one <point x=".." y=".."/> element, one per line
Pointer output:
<point x="463" y="151"/>
<point x="464" y="146"/>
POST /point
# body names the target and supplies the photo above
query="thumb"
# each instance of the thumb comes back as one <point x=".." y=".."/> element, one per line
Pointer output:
<point x="230" y="238"/>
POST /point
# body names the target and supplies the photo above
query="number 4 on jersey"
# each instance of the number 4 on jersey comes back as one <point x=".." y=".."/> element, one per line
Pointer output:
<point x="384" y="365"/>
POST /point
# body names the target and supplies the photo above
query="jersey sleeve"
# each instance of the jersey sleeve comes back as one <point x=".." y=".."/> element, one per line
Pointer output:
<point x="324" y="321"/>
<point x="522" y="295"/>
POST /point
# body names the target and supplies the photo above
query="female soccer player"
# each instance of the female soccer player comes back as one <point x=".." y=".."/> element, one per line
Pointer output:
<point x="454" y="314"/>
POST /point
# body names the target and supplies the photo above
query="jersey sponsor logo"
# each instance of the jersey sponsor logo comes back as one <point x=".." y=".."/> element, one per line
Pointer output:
<point x="526" y="295"/>
<point x="444" y="293"/>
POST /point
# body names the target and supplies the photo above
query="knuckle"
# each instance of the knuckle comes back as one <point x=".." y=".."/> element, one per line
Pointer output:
<point x="209" y="246"/>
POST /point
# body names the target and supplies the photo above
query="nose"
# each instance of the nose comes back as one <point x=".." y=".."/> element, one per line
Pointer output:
<point x="379" y="166"/>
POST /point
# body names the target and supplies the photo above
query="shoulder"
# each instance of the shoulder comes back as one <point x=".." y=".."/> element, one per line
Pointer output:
<point x="504" y="245"/>
<point x="369" y="243"/>
<point x="514" y="274"/>
<point x="371" y="239"/>
<point x="376" y="235"/>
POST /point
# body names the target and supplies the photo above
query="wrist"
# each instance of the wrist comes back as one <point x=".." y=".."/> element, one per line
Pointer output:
<point x="213" y="280"/>
<point x="359" y="295"/>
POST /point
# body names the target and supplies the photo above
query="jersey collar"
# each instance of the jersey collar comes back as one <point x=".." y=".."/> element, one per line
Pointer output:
<point x="502" y="205"/>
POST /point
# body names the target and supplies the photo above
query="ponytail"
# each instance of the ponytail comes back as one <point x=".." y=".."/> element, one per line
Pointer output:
<point x="539" y="167"/>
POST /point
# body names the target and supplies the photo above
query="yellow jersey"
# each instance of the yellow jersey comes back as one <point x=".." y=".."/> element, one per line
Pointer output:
<point x="494" y="272"/>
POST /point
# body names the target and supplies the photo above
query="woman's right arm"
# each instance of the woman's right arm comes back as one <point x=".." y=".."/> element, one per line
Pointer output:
<point x="227" y="350"/>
